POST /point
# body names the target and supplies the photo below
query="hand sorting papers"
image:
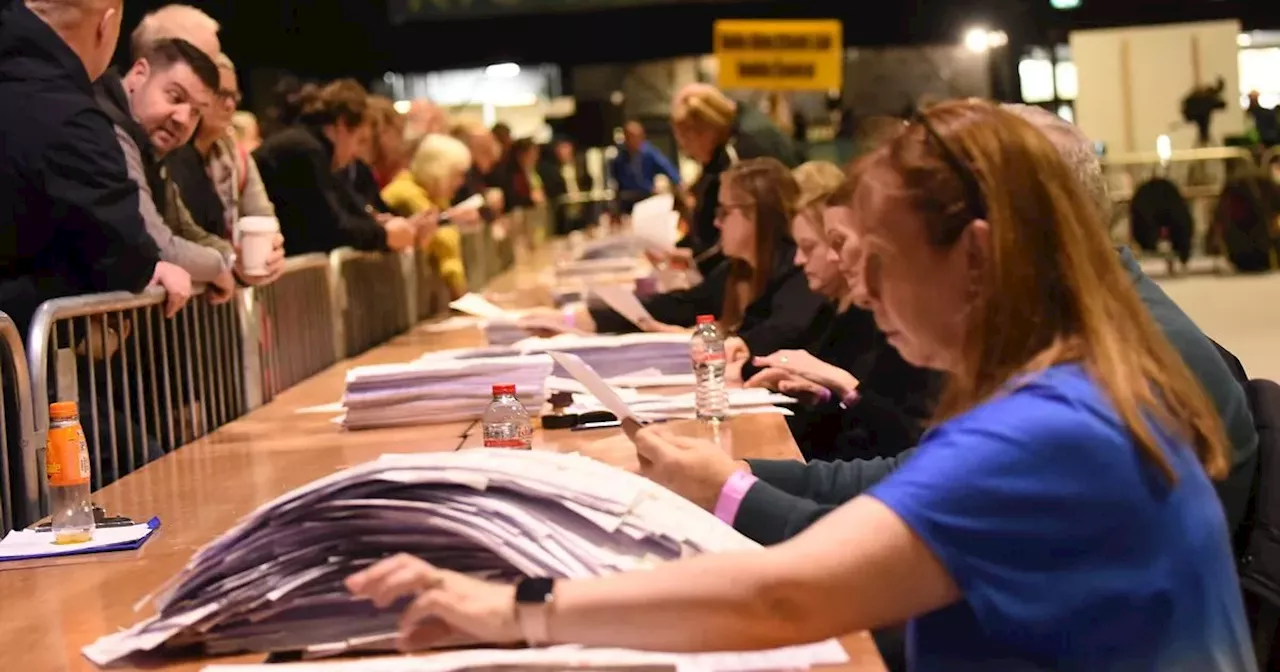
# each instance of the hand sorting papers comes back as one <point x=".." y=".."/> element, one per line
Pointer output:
<point x="504" y="327"/>
<point x="437" y="391"/>
<point x="622" y="300"/>
<point x="274" y="582"/>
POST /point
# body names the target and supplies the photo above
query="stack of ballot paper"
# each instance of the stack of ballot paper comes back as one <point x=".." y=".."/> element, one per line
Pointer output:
<point x="610" y="355"/>
<point x="440" y="390"/>
<point x="274" y="582"/>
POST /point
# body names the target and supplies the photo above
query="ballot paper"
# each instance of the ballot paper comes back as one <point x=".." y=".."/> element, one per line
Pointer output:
<point x="610" y="355"/>
<point x="596" y="386"/>
<point x="435" y="391"/>
<point x="558" y="658"/>
<point x="504" y="327"/>
<point x="474" y="304"/>
<point x="622" y="300"/>
<point x="274" y="582"/>
<point x="655" y="224"/>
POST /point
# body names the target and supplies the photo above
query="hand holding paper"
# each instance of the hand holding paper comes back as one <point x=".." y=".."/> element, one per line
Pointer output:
<point x="624" y="302"/>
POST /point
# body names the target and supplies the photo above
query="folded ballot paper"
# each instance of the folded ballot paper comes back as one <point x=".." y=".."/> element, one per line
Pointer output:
<point x="437" y="391"/>
<point x="655" y="223"/>
<point x="274" y="582"/>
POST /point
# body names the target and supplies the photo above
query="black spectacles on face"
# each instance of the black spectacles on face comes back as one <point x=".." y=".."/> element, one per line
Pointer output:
<point x="974" y="201"/>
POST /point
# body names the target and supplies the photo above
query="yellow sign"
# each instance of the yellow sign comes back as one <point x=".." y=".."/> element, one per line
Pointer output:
<point x="780" y="55"/>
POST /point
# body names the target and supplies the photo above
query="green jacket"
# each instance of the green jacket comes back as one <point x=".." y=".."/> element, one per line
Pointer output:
<point x="791" y="495"/>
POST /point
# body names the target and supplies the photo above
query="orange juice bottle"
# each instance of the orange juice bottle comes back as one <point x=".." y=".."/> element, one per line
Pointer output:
<point x="67" y="467"/>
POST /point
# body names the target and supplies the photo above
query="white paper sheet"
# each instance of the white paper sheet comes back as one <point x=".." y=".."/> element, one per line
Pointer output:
<point x="654" y="205"/>
<point x="474" y="304"/>
<point x="595" y="385"/>
<point x="804" y="657"/>
<point x="658" y="231"/>
<point x="31" y="544"/>
<point x="624" y="302"/>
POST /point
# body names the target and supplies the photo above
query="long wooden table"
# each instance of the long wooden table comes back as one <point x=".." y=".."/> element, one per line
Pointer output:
<point x="201" y="490"/>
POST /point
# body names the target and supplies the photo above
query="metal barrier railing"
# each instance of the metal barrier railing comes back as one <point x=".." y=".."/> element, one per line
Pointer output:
<point x="19" y="492"/>
<point x="153" y="383"/>
<point x="429" y="293"/>
<point x="291" y="321"/>
<point x="371" y="296"/>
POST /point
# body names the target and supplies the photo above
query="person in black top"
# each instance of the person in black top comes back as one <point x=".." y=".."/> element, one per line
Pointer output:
<point x="717" y="132"/>
<point x="69" y="217"/>
<point x="318" y="209"/>
<point x="757" y="293"/>
<point x="863" y="400"/>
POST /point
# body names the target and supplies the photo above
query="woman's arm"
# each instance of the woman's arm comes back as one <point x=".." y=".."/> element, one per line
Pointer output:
<point x="859" y="568"/>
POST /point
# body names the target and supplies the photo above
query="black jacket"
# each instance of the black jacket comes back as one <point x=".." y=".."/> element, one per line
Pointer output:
<point x="69" y="217"/>
<point x="753" y="136"/>
<point x="786" y="316"/>
<point x="793" y="495"/>
<point x="189" y="171"/>
<point x="895" y="399"/>
<point x="318" y="209"/>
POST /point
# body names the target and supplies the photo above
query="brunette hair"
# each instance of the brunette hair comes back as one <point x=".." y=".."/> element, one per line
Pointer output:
<point x="773" y="193"/>
<point x="382" y="114"/>
<point x="343" y="100"/>
<point x="1051" y="259"/>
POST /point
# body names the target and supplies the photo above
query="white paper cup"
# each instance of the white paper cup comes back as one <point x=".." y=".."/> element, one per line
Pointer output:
<point x="256" y="235"/>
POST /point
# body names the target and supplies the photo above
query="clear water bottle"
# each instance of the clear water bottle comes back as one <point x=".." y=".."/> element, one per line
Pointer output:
<point x="706" y="350"/>
<point x="68" y="470"/>
<point x="506" y="423"/>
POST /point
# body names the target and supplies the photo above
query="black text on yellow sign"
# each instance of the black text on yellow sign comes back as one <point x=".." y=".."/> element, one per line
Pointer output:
<point x="782" y="55"/>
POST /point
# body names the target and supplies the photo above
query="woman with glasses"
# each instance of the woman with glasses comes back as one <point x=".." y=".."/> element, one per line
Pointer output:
<point x="757" y="293"/>
<point x="1060" y="513"/>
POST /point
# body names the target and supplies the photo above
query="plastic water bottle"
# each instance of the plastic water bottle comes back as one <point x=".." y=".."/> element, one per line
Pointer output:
<point x="706" y="350"/>
<point x="68" y="470"/>
<point x="506" y="423"/>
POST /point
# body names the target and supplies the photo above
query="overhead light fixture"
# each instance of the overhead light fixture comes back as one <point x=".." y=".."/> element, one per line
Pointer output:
<point x="980" y="40"/>
<point x="976" y="40"/>
<point x="1064" y="4"/>
<point x="502" y="70"/>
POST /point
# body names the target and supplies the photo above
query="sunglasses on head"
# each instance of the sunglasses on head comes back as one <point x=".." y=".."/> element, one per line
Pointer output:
<point x="973" y="192"/>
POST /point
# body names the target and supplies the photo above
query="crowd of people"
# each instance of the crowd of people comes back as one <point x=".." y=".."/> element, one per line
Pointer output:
<point x="1017" y="444"/>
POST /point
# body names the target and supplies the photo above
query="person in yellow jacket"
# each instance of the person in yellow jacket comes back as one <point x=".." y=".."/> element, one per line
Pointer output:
<point x="435" y="173"/>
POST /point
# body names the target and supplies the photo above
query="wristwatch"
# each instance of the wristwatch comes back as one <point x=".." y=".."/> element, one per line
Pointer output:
<point x="534" y="599"/>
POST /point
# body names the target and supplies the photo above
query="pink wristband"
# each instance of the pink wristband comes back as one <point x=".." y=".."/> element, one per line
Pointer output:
<point x="731" y="495"/>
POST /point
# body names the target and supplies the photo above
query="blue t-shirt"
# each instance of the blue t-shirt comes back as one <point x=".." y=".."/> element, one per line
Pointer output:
<point x="1071" y="550"/>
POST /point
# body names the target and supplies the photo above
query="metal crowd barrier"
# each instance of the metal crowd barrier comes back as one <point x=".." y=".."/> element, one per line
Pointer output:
<point x="19" y="480"/>
<point x="146" y="384"/>
<point x="371" y="299"/>
<point x="429" y="293"/>
<point x="291" y="320"/>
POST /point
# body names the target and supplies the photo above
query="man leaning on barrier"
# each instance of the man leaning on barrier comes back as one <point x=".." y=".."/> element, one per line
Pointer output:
<point x="69" y="216"/>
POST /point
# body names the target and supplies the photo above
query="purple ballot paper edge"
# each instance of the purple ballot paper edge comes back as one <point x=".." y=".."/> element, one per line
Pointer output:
<point x="154" y="524"/>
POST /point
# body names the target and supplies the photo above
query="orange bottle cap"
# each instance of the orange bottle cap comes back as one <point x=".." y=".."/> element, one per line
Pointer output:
<point x="63" y="410"/>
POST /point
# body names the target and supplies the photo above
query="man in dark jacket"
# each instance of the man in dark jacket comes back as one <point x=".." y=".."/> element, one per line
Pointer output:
<point x="69" y="219"/>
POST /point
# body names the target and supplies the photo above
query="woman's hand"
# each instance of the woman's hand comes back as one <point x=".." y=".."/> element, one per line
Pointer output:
<point x="653" y="326"/>
<point x="543" y="322"/>
<point x="445" y="604"/>
<point x="695" y="469"/>
<point x="804" y="391"/>
<point x="427" y="223"/>
<point x="805" y="366"/>
<point x="400" y="234"/>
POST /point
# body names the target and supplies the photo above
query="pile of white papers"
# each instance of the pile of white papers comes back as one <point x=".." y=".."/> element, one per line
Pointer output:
<point x="275" y="581"/>
<point x="502" y="326"/>
<point x="611" y="355"/>
<point x="436" y="391"/>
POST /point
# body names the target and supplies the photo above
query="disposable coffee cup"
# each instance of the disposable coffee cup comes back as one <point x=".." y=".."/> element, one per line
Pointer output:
<point x="256" y="235"/>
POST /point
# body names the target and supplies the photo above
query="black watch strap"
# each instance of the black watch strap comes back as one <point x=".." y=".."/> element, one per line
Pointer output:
<point x="534" y="598"/>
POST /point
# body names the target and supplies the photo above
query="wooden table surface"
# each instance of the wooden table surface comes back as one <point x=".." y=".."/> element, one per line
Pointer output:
<point x="198" y="492"/>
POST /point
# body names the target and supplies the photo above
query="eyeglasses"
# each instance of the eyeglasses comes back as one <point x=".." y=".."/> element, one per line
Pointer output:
<point x="722" y="211"/>
<point x="228" y="95"/>
<point x="974" y="201"/>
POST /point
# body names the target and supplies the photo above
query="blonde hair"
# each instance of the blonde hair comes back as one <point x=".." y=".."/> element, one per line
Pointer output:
<point x="817" y="180"/>
<point x="703" y="105"/>
<point x="175" y="22"/>
<point x="436" y="159"/>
